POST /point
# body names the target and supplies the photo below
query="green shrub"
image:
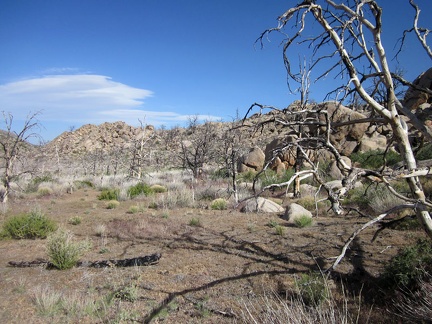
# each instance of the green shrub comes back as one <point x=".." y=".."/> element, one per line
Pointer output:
<point x="375" y="159"/>
<point x="409" y="265"/>
<point x="158" y="189"/>
<point x="28" y="226"/>
<point x="303" y="221"/>
<point x="425" y="153"/>
<point x="221" y="173"/>
<point x="247" y="176"/>
<point x="35" y="182"/>
<point x="312" y="288"/>
<point x="218" y="204"/>
<point x="62" y="251"/>
<point x="271" y="177"/>
<point x="139" y="189"/>
<point x="84" y="184"/>
<point x="109" y="194"/>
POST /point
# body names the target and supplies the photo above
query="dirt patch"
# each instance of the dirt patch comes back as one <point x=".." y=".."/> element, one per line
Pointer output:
<point x="207" y="273"/>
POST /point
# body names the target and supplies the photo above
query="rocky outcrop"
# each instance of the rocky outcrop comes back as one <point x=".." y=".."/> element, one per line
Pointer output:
<point x="90" y="138"/>
<point x="345" y="138"/>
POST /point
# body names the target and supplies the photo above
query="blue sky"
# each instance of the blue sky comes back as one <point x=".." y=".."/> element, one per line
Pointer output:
<point x="92" y="61"/>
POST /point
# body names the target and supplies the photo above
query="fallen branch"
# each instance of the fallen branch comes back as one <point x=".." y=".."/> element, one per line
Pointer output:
<point x="366" y="225"/>
<point x="132" y="262"/>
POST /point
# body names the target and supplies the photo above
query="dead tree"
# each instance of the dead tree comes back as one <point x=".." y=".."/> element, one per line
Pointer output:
<point x="198" y="146"/>
<point x="141" y="151"/>
<point x="13" y="145"/>
<point x="345" y="42"/>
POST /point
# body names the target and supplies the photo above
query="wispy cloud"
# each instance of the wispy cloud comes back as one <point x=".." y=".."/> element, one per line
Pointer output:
<point x="82" y="98"/>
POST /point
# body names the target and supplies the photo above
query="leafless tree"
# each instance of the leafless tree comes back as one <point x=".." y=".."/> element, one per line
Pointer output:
<point x="197" y="146"/>
<point x="141" y="151"/>
<point x="345" y="39"/>
<point x="13" y="146"/>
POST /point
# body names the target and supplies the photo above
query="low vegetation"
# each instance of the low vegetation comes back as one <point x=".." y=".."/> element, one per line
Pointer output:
<point x="28" y="226"/>
<point x="63" y="251"/>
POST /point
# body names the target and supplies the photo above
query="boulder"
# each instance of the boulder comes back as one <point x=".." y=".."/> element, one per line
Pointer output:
<point x="261" y="205"/>
<point x="375" y="142"/>
<point x="415" y="98"/>
<point x="334" y="172"/>
<point x="295" y="211"/>
<point x="253" y="160"/>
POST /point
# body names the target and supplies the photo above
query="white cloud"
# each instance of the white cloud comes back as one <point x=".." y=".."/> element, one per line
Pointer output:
<point x="64" y="96"/>
<point x="77" y="99"/>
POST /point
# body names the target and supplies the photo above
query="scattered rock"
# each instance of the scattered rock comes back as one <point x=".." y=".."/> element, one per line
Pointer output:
<point x="261" y="205"/>
<point x="295" y="211"/>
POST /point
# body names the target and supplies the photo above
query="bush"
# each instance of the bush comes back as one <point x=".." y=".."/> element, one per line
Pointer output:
<point x="109" y="194"/>
<point x="312" y="288"/>
<point x="139" y="189"/>
<point x="62" y="251"/>
<point x="34" y="184"/>
<point x="409" y="265"/>
<point x="84" y="184"/>
<point x="425" y="153"/>
<point x="375" y="159"/>
<point x="218" y="204"/>
<point x="303" y="221"/>
<point x="28" y="226"/>
<point x="44" y="191"/>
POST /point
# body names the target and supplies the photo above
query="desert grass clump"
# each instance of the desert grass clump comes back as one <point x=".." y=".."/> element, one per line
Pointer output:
<point x="303" y="221"/>
<point x="47" y="301"/>
<point x="109" y="194"/>
<point x="279" y="230"/>
<point x="44" y="191"/>
<point x="112" y="204"/>
<point x="76" y="220"/>
<point x="63" y="251"/>
<point x="195" y="222"/>
<point x="219" y="204"/>
<point x="273" y="308"/>
<point x="127" y="293"/>
<point x="133" y="209"/>
<point x="313" y="288"/>
<point x="381" y="199"/>
<point x="308" y="202"/>
<point x="100" y="230"/>
<point x="28" y="226"/>
<point x="158" y="188"/>
<point x="176" y="199"/>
